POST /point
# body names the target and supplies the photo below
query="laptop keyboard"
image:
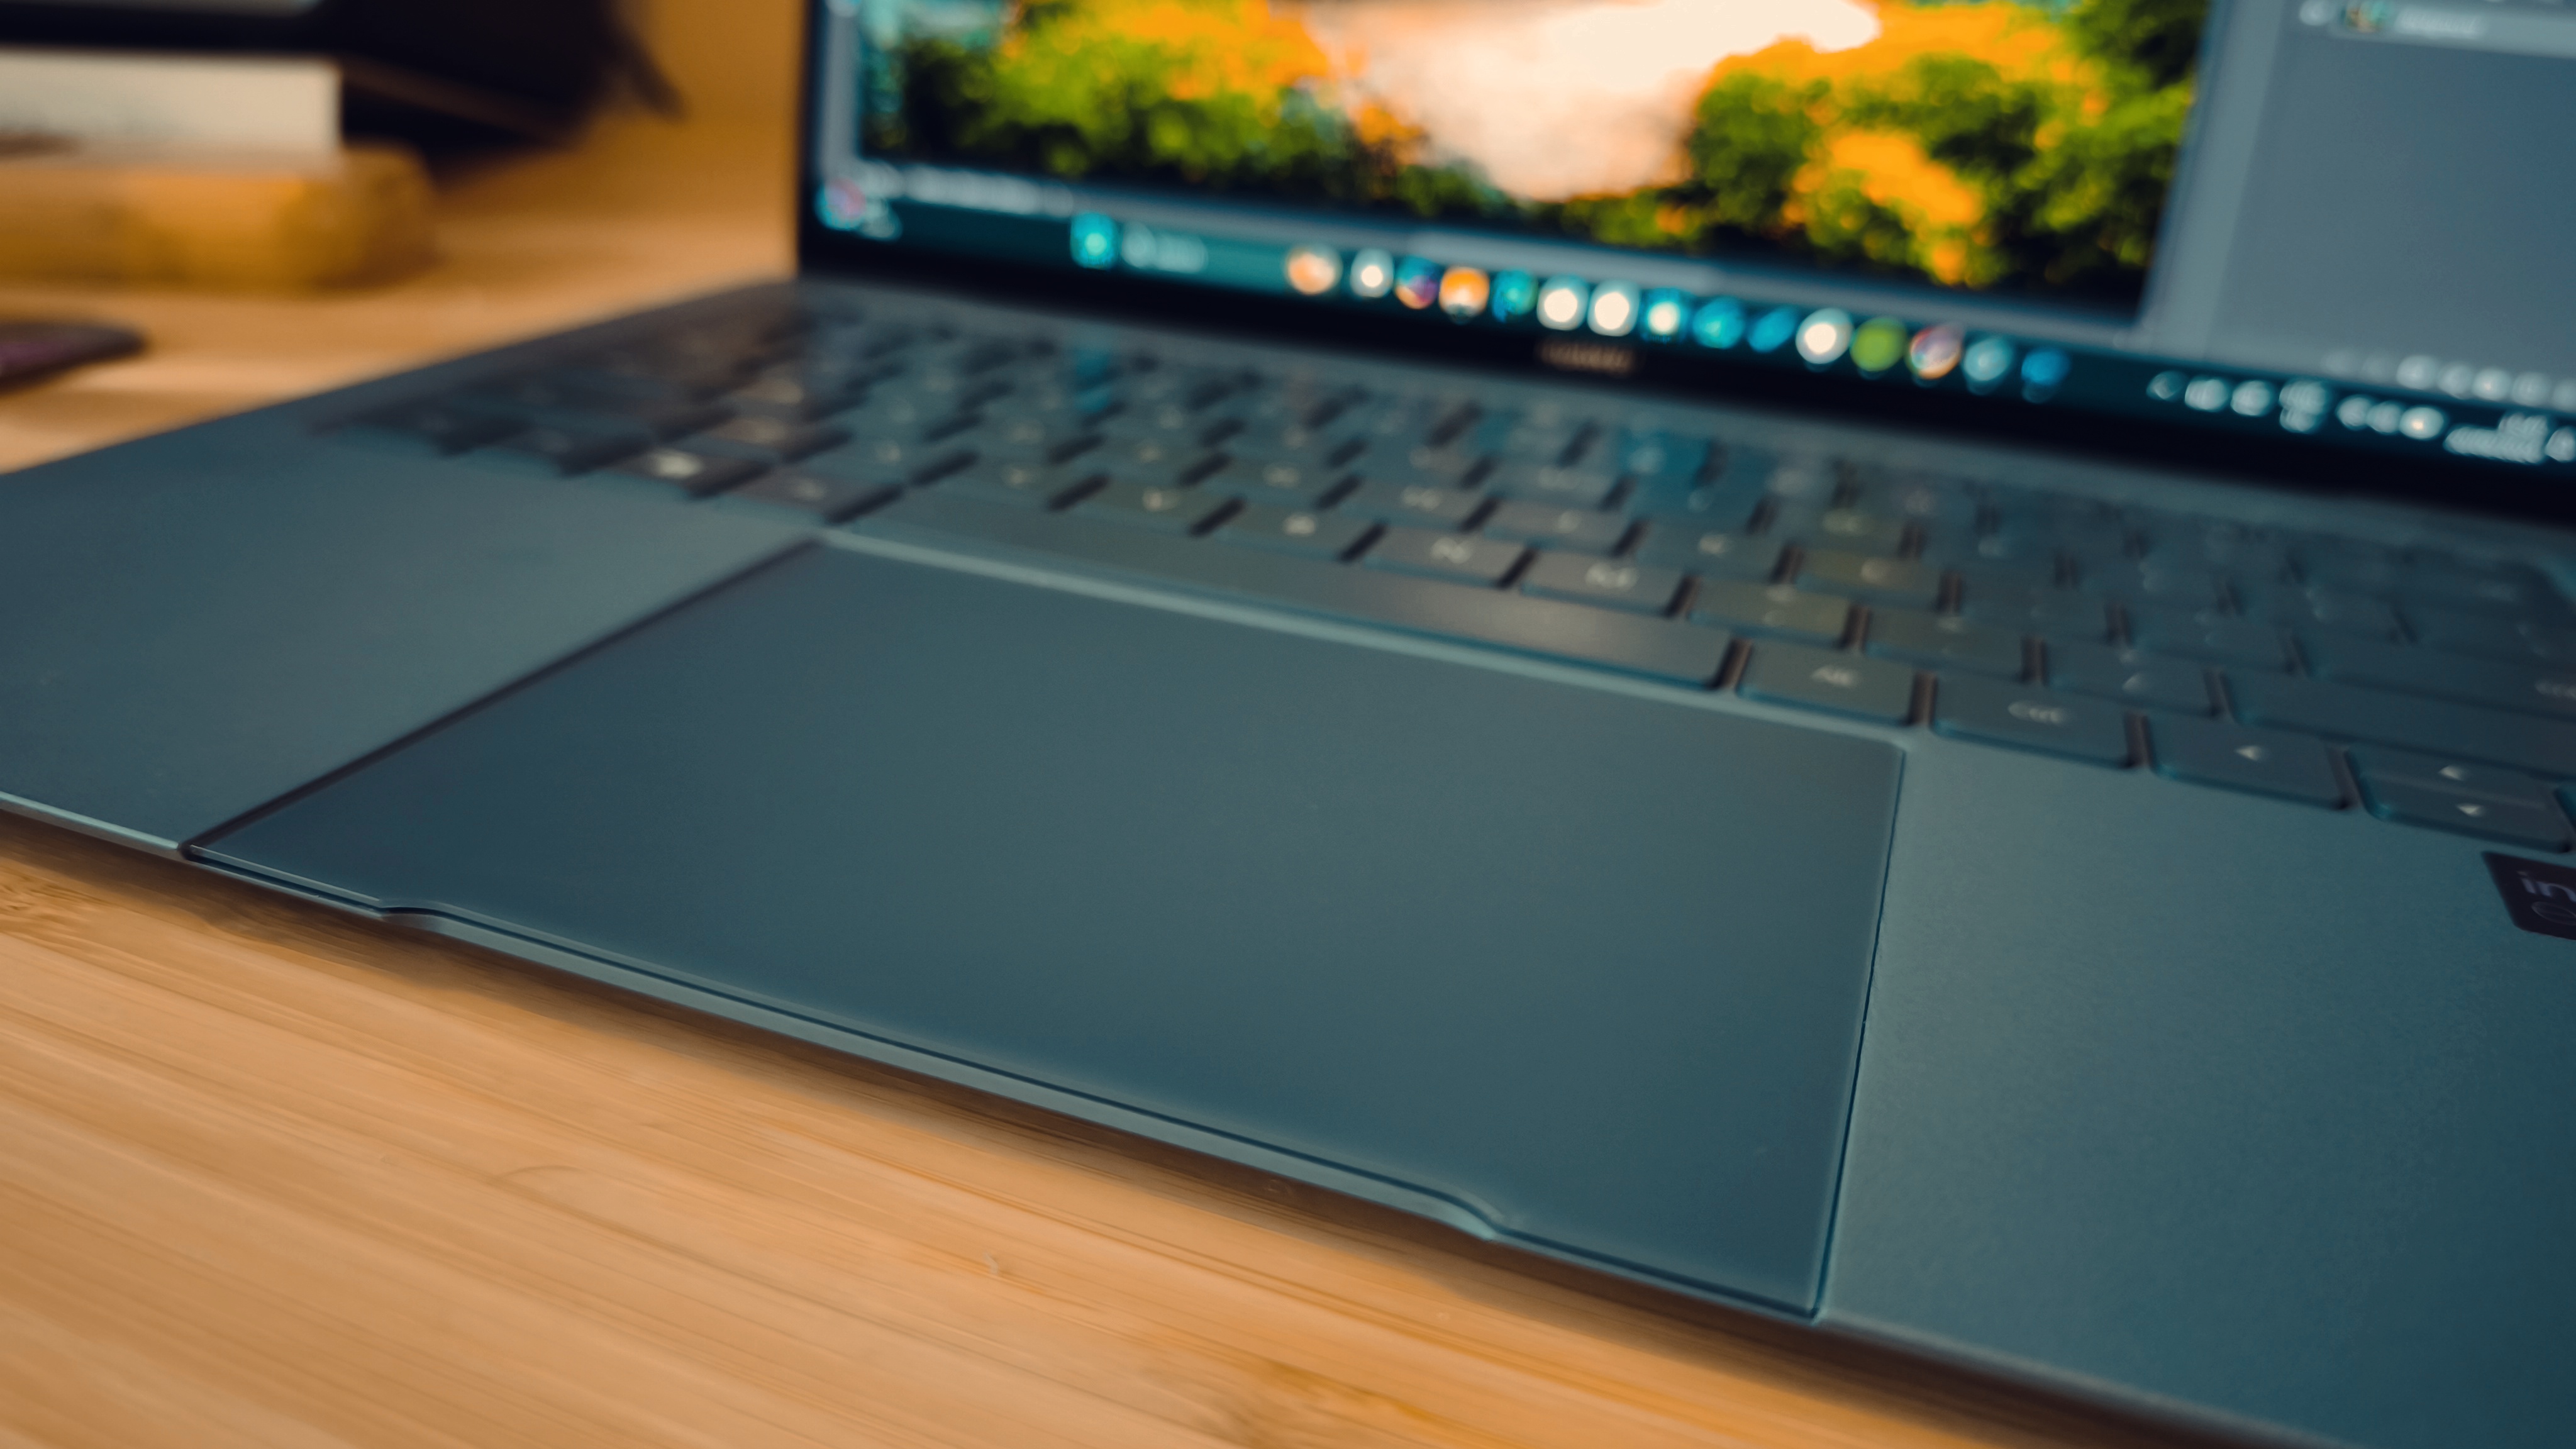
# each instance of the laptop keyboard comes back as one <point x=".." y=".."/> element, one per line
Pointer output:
<point x="2432" y="689"/>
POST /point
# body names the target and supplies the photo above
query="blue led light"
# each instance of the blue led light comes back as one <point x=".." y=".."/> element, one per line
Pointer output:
<point x="1095" y="240"/>
<point x="2045" y="368"/>
<point x="1773" y="329"/>
<point x="1986" y="362"/>
<point x="1720" y="323"/>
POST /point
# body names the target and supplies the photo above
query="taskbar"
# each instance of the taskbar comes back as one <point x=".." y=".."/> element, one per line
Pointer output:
<point x="1598" y="321"/>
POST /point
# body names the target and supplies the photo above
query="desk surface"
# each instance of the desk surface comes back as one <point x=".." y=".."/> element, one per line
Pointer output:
<point x="270" y="1176"/>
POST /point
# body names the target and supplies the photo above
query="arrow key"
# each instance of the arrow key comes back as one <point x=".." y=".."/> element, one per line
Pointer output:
<point x="2375" y="763"/>
<point x="2536" y="825"/>
<point x="2237" y="757"/>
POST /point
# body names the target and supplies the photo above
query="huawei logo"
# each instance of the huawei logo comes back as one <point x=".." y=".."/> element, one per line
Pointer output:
<point x="1567" y="356"/>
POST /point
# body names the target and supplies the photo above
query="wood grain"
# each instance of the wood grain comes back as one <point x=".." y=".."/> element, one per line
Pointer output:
<point x="271" y="1176"/>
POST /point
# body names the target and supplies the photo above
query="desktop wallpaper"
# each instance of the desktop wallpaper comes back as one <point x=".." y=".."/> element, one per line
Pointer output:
<point x="2004" y="144"/>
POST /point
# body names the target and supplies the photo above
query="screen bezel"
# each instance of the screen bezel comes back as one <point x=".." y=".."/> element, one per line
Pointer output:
<point x="2313" y="465"/>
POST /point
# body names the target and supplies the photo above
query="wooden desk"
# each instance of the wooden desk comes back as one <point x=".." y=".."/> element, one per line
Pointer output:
<point x="273" y="1177"/>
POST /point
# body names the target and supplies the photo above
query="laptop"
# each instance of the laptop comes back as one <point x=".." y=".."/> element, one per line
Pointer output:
<point x="1908" y="668"/>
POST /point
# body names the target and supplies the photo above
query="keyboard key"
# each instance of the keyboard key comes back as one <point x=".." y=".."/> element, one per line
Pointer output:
<point x="1943" y="505"/>
<point x="693" y="473"/>
<point x="1847" y="529"/>
<point x="1159" y="507"/>
<point x="1297" y="443"/>
<point x="1452" y="556"/>
<point x="1776" y="610"/>
<point x="830" y="499"/>
<point x="1662" y="461"/>
<point x="1545" y="434"/>
<point x="1427" y="466"/>
<point x="2325" y="609"/>
<point x="1944" y="642"/>
<point x="2205" y="634"/>
<point x="1705" y="506"/>
<point x="2515" y="822"/>
<point x="1806" y="481"/>
<point x="1149" y="460"/>
<point x="2180" y="587"/>
<point x="1871" y="580"/>
<point x="1996" y="713"/>
<point x="1412" y="503"/>
<point x="436" y="429"/>
<point x="875" y="458"/>
<point x="2344" y="712"/>
<point x="2132" y="675"/>
<point x="1027" y="485"/>
<point x="1580" y="530"/>
<point x="2534" y="688"/>
<point x="1822" y="679"/>
<point x="1576" y="487"/>
<point x="1275" y="483"/>
<point x="797" y="399"/>
<point x="2550" y="643"/>
<point x="557" y="452"/>
<point x="2238" y="757"/>
<point x="553" y="398"/>
<point x="903" y="420"/>
<point x="2463" y="633"/>
<point x="1297" y="531"/>
<point x="2007" y="582"/>
<point x="1612" y="583"/>
<point x="1175" y="425"/>
<point x="1661" y="649"/>
<point x="768" y="440"/>
<point x="2034" y="559"/>
<point x="2505" y="594"/>
<point x="1710" y="553"/>
<point x="638" y="377"/>
<point x="1033" y="439"/>
<point x="2445" y="772"/>
<point x="2248" y="559"/>
<point x="2062" y="616"/>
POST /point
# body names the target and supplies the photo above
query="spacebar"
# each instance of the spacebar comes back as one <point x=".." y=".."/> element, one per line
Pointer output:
<point x="1656" y="648"/>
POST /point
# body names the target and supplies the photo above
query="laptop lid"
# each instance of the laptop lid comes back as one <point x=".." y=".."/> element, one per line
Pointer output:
<point x="2292" y="238"/>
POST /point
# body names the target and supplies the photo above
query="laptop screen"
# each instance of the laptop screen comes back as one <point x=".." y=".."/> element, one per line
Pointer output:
<point x="2311" y="219"/>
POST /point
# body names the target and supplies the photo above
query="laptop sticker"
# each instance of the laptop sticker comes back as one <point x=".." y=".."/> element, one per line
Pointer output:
<point x="2540" y="897"/>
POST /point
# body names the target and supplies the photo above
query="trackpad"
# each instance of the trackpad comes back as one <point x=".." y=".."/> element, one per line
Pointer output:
<point x="1587" y="965"/>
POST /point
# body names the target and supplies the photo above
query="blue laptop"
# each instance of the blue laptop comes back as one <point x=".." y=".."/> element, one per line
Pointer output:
<point x="1909" y="668"/>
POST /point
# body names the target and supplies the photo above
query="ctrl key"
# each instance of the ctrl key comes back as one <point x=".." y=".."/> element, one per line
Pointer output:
<point x="1822" y="679"/>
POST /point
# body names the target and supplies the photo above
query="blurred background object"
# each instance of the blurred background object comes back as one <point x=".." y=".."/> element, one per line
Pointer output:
<point x="350" y="216"/>
<point x="437" y="74"/>
<point x="637" y="207"/>
<point x="199" y="143"/>
<point x="30" y="349"/>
